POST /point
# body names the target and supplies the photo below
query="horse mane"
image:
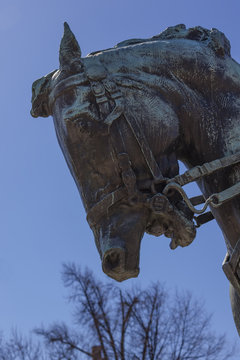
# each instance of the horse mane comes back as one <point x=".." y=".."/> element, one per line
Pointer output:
<point x="213" y="38"/>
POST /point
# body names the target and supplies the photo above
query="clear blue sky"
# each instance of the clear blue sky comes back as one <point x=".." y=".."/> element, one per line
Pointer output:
<point x="42" y="218"/>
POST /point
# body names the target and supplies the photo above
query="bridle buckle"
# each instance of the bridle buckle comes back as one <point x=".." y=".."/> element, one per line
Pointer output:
<point x="160" y="204"/>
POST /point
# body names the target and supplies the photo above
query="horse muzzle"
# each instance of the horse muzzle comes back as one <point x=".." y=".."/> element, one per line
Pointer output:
<point x="114" y="264"/>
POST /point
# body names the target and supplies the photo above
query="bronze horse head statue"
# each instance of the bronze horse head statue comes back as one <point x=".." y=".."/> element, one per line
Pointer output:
<point x="125" y="116"/>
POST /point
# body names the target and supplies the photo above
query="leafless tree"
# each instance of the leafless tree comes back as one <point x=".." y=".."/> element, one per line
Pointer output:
<point x="20" y="348"/>
<point x="132" y="324"/>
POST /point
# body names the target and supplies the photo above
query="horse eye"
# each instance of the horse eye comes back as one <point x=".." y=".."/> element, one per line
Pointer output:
<point x="69" y="97"/>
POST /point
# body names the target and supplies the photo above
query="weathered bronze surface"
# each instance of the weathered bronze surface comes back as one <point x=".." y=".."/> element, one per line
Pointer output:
<point x="126" y="115"/>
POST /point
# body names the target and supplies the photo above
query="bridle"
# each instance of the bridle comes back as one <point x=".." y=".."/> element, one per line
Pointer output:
<point x="104" y="89"/>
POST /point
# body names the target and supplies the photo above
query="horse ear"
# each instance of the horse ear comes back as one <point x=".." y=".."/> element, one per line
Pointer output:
<point x="70" y="52"/>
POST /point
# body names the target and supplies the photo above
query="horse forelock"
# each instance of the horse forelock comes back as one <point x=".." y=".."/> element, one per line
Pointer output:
<point x="40" y="95"/>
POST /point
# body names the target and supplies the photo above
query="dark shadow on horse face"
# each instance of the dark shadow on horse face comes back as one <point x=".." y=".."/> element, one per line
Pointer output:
<point x="118" y="239"/>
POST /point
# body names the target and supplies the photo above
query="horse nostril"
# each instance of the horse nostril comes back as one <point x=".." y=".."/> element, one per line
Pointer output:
<point x="114" y="265"/>
<point x="113" y="257"/>
<point x="114" y="260"/>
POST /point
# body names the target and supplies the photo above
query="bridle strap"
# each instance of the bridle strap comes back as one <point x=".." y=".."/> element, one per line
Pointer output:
<point x="206" y="169"/>
<point x="96" y="212"/>
<point x="66" y="84"/>
<point x="215" y="200"/>
<point x="203" y="219"/>
<point x="196" y="173"/>
<point x="144" y="146"/>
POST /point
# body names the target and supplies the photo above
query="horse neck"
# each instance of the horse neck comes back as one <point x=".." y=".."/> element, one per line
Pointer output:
<point x="207" y="141"/>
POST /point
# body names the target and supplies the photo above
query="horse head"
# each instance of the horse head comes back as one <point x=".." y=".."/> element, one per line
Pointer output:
<point x="109" y="156"/>
<point x="123" y="117"/>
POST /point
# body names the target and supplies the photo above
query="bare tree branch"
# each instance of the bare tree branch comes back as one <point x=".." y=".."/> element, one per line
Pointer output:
<point x="60" y="334"/>
<point x="124" y="325"/>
